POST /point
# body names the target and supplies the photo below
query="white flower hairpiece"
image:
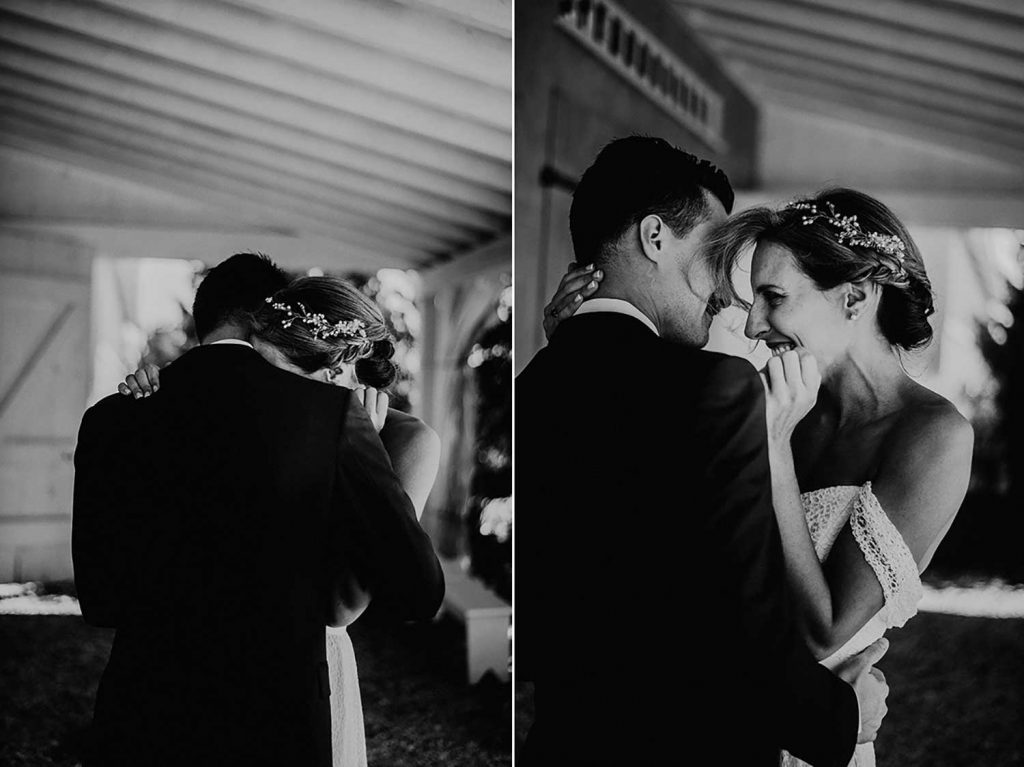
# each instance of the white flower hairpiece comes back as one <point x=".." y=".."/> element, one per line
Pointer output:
<point x="318" y="324"/>
<point x="851" y="233"/>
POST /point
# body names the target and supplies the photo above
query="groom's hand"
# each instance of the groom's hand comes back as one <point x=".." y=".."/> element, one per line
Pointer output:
<point x="870" y="686"/>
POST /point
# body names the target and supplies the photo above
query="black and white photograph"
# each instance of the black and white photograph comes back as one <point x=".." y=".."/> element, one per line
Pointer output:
<point x="255" y="383"/>
<point x="768" y="357"/>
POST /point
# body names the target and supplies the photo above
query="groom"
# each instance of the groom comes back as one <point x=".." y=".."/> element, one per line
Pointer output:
<point x="651" y="606"/>
<point x="212" y="523"/>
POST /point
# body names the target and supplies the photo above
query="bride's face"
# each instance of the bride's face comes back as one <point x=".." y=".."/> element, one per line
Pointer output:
<point x="790" y="310"/>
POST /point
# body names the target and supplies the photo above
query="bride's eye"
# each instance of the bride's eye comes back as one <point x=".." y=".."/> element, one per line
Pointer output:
<point x="773" y="298"/>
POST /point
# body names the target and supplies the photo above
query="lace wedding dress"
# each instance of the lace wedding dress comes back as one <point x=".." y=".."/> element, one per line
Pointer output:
<point x="348" y="739"/>
<point x="829" y="510"/>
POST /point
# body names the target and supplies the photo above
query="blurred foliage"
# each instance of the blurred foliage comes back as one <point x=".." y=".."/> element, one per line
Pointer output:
<point x="999" y="424"/>
<point x="489" y="512"/>
<point x="394" y="292"/>
<point x="985" y="538"/>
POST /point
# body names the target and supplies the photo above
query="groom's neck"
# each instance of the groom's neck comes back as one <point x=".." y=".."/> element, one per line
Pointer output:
<point x="227" y="331"/>
<point x="613" y="286"/>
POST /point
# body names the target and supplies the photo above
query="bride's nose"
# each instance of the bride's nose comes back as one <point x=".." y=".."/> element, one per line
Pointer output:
<point x="756" y="325"/>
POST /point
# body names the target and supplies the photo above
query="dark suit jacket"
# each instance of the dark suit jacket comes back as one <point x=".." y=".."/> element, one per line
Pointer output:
<point x="211" y="522"/>
<point x="651" y="607"/>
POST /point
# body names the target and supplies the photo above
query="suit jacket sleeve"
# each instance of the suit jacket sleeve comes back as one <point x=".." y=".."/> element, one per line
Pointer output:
<point x="378" y="533"/>
<point x="814" y="712"/>
<point x="99" y="545"/>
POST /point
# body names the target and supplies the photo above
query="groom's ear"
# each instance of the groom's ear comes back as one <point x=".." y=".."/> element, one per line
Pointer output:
<point x="652" y="237"/>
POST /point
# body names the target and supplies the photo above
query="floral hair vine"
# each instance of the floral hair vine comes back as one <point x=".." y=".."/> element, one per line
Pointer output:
<point x="851" y="233"/>
<point x="318" y="324"/>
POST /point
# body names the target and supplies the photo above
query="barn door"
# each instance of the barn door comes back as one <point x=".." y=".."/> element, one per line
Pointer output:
<point x="44" y="376"/>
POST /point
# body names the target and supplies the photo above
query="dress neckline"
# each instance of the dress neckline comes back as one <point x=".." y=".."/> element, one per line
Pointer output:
<point x="821" y="490"/>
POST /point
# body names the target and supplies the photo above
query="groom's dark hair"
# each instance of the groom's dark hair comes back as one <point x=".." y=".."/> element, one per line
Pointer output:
<point x="636" y="177"/>
<point x="235" y="288"/>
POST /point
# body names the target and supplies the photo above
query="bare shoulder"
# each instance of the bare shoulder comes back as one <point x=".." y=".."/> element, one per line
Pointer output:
<point x="932" y="424"/>
<point x="929" y="442"/>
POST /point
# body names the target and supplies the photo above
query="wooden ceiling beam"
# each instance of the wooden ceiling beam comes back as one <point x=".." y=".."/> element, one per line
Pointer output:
<point x="877" y="64"/>
<point x="277" y="35"/>
<point x="295" y="252"/>
<point x="492" y="16"/>
<point x="184" y="121"/>
<point x="948" y="102"/>
<point x="942" y="20"/>
<point x="883" y="113"/>
<point x="263" y="71"/>
<point x="196" y="181"/>
<point x="331" y="204"/>
<point x="411" y="32"/>
<point x="769" y="17"/>
<point x="1010" y="9"/>
<point x="339" y="137"/>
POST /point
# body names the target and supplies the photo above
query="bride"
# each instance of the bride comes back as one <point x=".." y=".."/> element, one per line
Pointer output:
<point x="869" y="467"/>
<point x="361" y="361"/>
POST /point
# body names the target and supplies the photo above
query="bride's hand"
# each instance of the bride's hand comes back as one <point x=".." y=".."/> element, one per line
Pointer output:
<point x="141" y="383"/>
<point x="577" y="284"/>
<point x="376" y="404"/>
<point x="791" y="381"/>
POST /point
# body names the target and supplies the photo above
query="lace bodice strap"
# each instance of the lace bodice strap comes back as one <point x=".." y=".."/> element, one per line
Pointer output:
<point x="887" y="553"/>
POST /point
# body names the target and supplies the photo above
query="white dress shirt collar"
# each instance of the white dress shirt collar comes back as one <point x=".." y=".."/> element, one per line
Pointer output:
<point x="237" y="341"/>
<point x="616" y="306"/>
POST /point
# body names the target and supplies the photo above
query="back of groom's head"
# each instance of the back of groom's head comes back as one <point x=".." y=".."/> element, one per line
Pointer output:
<point x="635" y="177"/>
<point x="233" y="289"/>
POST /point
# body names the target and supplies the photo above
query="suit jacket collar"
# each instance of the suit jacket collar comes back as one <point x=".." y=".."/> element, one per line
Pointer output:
<point x="213" y="361"/>
<point x="607" y="328"/>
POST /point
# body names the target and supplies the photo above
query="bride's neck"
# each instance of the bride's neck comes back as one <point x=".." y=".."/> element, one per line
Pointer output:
<point x="867" y="384"/>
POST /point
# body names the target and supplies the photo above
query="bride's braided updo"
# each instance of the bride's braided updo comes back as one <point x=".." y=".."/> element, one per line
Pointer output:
<point x="323" y="322"/>
<point x="830" y="259"/>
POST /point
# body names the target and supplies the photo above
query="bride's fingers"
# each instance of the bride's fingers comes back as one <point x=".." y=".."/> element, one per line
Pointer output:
<point x="776" y="376"/>
<point x="144" y="382"/>
<point x="153" y="373"/>
<point x="360" y="395"/>
<point x="791" y="367"/>
<point x="382" y="406"/>
<point x="133" y="386"/>
<point x="585" y="279"/>
<point x="809" y="369"/>
<point x="573" y="288"/>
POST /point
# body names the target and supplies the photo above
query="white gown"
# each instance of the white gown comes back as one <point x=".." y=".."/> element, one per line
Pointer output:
<point x="829" y="510"/>
<point x="348" y="739"/>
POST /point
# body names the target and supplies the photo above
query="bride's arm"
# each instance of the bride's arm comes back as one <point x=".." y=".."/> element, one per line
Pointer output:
<point x="791" y="383"/>
<point x="920" y="484"/>
<point x="922" y="478"/>
<point x="415" y="452"/>
<point x="811" y="591"/>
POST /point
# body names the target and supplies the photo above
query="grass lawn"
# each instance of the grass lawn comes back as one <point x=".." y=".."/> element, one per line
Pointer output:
<point x="418" y="709"/>
<point x="956" y="694"/>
